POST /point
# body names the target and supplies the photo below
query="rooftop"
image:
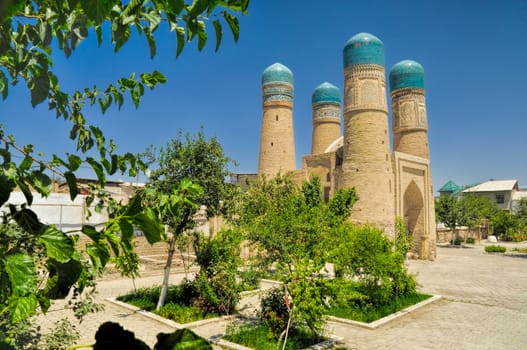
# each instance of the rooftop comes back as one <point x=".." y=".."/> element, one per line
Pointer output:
<point x="493" y="186"/>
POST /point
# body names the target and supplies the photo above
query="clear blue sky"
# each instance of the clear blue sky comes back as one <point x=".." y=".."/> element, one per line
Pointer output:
<point x="474" y="53"/>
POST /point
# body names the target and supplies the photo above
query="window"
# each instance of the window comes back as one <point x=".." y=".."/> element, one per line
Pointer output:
<point x="500" y="199"/>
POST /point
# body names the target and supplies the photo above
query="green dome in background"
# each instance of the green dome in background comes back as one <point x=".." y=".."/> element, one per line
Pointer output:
<point x="277" y="72"/>
<point x="326" y="93"/>
<point x="363" y="48"/>
<point x="407" y="74"/>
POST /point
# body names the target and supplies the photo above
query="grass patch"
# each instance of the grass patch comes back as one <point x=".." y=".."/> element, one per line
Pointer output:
<point x="181" y="305"/>
<point x="259" y="337"/>
<point x="369" y="313"/>
<point x="520" y="250"/>
<point x="495" y="249"/>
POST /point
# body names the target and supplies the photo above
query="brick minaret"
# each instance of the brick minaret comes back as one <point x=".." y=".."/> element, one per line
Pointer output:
<point x="277" y="143"/>
<point x="326" y="117"/>
<point x="366" y="159"/>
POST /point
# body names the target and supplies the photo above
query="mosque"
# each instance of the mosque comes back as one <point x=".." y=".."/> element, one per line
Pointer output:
<point x="389" y="183"/>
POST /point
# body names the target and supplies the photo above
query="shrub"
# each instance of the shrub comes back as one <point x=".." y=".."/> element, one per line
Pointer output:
<point x="274" y="313"/>
<point x="250" y="279"/>
<point x="457" y="241"/>
<point x="471" y="240"/>
<point x="218" y="259"/>
<point x="495" y="249"/>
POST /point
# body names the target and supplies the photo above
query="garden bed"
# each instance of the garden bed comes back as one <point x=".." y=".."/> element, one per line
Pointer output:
<point x="379" y="322"/>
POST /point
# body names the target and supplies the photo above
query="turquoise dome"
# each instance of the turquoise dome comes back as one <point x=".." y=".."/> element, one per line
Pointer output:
<point x="277" y="72"/>
<point x="364" y="48"/>
<point x="407" y="74"/>
<point x="326" y="93"/>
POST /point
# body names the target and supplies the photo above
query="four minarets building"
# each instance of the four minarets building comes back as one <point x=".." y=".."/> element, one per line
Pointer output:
<point x="389" y="184"/>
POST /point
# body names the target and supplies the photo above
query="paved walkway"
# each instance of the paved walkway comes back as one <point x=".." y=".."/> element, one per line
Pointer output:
<point x="484" y="306"/>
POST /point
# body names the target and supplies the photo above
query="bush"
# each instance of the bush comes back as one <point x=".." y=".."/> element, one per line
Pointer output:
<point x="250" y="279"/>
<point x="470" y="240"/>
<point x="457" y="241"/>
<point x="495" y="249"/>
<point x="273" y="312"/>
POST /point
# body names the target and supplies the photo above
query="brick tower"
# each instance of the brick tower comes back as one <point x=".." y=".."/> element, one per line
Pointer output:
<point x="277" y="144"/>
<point x="326" y="117"/>
<point x="415" y="200"/>
<point x="409" y="122"/>
<point x="366" y="157"/>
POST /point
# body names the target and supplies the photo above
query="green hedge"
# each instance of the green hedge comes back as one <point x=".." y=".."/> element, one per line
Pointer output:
<point x="495" y="249"/>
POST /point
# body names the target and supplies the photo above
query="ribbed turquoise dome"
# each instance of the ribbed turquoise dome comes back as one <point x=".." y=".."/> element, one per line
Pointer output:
<point x="277" y="72"/>
<point x="325" y="93"/>
<point x="407" y="74"/>
<point x="364" y="48"/>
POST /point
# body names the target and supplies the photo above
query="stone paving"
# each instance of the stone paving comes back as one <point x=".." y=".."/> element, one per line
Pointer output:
<point x="484" y="306"/>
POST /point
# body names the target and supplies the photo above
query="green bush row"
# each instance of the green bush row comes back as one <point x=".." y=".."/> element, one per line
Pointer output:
<point x="495" y="249"/>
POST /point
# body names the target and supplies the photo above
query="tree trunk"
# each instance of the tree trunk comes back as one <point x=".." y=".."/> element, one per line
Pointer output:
<point x="164" y="287"/>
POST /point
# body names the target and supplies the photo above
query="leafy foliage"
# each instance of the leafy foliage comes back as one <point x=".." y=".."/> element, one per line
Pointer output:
<point x="290" y="229"/>
<point x="495" y="249"/>
<point x="448" y="212"/>
<point x="63" y="335"/>
<point x="274" y="312"/>
<point x="195" y="167"/>
<point x="367" y="255"/>
<point x="218" y="258"/>
<point x="39" y="262"/>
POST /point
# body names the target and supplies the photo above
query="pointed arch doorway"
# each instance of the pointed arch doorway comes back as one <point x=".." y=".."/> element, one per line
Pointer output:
<point x="414" y="217"/>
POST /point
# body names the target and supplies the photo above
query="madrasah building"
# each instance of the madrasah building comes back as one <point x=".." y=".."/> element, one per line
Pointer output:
<point x="389" y="184"/>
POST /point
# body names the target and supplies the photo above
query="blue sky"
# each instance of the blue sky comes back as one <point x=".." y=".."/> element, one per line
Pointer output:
<point x="474" y="53"/>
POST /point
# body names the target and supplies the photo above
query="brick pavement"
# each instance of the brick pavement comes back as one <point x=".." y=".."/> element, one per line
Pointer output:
<point x="484" y="306"/>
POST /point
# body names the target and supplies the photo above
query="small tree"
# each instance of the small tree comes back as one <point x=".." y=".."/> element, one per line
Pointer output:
<point x="502" y="222"/>
<point x="184" y="159"/>
<point x="475" y="210"/>
<point x="290" y="227"/>
<point x="448" y="211"/>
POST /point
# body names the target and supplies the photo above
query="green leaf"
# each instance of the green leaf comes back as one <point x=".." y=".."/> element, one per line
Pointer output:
<point x="202" y="35"/>
<point x="151" y="43"/>
<point x="233" y="23"/>
<point x="91" y="232"/>
<point x="99" y="171"/>
<point x="6" y="187"/>
<point x="197" y="7"/>
<point x="43" y="301"/>
<point x="3" y="85"/>
<point x="151" y="227"/>
<point x="74" y="162"/>
<point x="127" y="229"/>
<point x="180" y="35"/>
<point x="27" y="219"/>
<point x="175" y="6"/>
<point x="99" y="254"/>
<point x="71" y="180"/>
<point x="39" y="86"/>
<point x="21" y="271"/>
<point x="112" y="236"/>
<point x="97" y="10"/>
<point x="26" y="163"/>
<point x="25" y="190"/>
<point x="62" y="276"/>
<point x="153" y="17"/>
<point x="41" y="182"/>
<point x="218" y="30"/>
<point x="58" y="245"/>
<point x="22" y="307"/>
